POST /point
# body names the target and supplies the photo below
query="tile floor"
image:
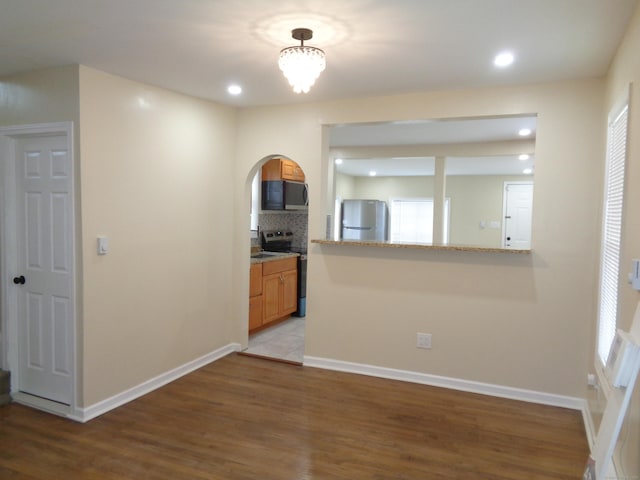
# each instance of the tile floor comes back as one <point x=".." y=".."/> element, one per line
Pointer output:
<point x="284" y="341"/>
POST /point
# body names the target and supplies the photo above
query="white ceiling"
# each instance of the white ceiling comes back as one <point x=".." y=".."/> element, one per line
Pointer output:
<point x="425" y="166"/>
<point x="432" y="132"/>
<point x="373" y="47"/>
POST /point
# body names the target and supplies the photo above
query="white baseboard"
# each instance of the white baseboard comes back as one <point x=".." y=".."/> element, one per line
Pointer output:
<point x="589" y="427"/>
<point x="95" y="410"/>
<point x="532" y="396"/>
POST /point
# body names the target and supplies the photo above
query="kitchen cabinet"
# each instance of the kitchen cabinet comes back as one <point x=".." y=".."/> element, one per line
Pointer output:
<point x="282" y="169"/>
<point x="255" y="296"/>
<point x="279" y="289"/>
<point x="291" y="171"/>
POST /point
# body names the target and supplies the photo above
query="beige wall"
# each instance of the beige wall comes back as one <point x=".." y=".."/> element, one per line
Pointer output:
<point x="156" y="179"/>
<point x="625" y="70"/>
<point x="153" y="172"/>
<point x="345" y="186"/>
<point x="386" y="188"/>
<point x="41" y="96"/>
<point x="156" y="167"/>
<point x="518" y="321"/>
<point x="475" y="199"/>
<point x="472" y="199"/>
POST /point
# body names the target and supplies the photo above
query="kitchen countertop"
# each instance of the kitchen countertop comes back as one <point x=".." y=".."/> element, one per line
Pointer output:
<point x="422" y="246"/>
<point x="271" y="256"/>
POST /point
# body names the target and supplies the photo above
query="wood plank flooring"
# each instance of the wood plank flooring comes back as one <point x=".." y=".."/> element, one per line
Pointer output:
<point x="247" y="418"/>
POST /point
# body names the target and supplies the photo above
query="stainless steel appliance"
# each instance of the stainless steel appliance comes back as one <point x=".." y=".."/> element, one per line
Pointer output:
<point x="281" y="241"/>
<point x="365" y="220"/>
<point x="284" y="195"/>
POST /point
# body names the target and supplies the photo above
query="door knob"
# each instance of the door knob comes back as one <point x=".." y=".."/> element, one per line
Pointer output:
<point x="19" y="280"/>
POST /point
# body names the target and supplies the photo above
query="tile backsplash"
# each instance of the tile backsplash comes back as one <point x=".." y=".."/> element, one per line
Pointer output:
<point x="291" y="221"/>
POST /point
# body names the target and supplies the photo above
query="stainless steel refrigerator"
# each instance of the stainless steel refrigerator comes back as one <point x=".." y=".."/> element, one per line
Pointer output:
<point x="365" y="220"/>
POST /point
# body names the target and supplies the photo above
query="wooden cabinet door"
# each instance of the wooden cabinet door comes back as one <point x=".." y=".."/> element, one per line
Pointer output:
<point x="271" y="288"/>
<point x="255" y="312"/>
<point x="287" y="170"/>
<point x="272" y="170"/>
<point x="289" y="292"/>
<point x="281" y="169"/>
<point x="279" y="289"/>
<point x="255" y="280"/>
<point x="291" y="171"/>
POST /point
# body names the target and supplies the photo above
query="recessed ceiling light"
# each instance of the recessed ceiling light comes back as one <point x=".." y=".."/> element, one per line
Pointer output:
<point x="527" y="171"/>
<point x="372" y="173"/>
<point x="234" y="89"/>
<point x="338" y="161"/>
<point x="524" y="156"/>
<point x="503" y="59"/>
<point x="524" y="132"/>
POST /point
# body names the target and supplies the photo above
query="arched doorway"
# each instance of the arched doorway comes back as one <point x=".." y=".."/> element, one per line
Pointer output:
<point x="279" y="237"/>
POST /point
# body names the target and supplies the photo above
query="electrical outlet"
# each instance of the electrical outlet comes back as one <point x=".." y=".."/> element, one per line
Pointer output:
<point x="423" y="340"/>
<point x="592" y="380"/>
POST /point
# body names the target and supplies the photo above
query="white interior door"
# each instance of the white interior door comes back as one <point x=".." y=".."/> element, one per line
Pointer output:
<point x="44" y="277"/>
<point x="518" y="202"/>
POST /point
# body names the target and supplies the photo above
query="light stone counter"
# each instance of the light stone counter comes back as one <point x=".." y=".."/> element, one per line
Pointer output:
<point x="420" y="246"/>
<point x="272" y="256"/>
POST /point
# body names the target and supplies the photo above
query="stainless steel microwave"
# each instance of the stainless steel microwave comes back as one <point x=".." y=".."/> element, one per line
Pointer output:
<point x="284" y="195"/>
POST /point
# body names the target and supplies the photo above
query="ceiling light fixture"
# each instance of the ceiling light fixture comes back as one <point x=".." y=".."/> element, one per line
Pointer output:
<point x="372" y="173"/>
<point x="503" y="59"/>
<point x="338" y="161"/>
<point x="524" y="156"/>
<point x="524" y="132"/>
<point x="301" y="65"/>
<point x="234" y="89"/>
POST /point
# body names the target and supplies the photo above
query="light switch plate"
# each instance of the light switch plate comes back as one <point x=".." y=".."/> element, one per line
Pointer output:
<point x="103" y="245"/>
<point x="634" y="277"/>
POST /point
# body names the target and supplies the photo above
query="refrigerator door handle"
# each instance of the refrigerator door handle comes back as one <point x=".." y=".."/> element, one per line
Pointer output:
<point x="358" y="228"/>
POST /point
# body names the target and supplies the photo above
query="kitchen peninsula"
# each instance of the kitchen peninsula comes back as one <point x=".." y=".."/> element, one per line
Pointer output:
<point x="419" y="246"/>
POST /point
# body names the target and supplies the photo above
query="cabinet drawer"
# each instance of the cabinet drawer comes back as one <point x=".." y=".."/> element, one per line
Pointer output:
<point x="276" y="266"/>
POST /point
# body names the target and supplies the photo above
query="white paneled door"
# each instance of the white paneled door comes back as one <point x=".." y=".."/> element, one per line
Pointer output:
<point x="517" y="215"/>
<point x="44" y="277"/>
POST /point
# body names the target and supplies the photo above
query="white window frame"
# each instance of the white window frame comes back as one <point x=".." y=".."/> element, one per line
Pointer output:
<point x="612" y="216"/>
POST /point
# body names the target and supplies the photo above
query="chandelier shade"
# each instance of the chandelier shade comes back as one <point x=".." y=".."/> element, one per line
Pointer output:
<point x="301" y="65"/>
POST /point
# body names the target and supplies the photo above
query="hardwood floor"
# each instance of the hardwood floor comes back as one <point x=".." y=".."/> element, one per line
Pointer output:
<point x="248" y="418"/>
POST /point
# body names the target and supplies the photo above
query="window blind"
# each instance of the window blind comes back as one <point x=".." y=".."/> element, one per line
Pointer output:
<point x="612" y="231"/>
<point x="412" y="220"/>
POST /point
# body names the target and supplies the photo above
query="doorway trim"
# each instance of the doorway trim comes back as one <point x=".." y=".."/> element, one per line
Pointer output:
<point x="254" y="171"/>
<point x="8" y="265"/>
